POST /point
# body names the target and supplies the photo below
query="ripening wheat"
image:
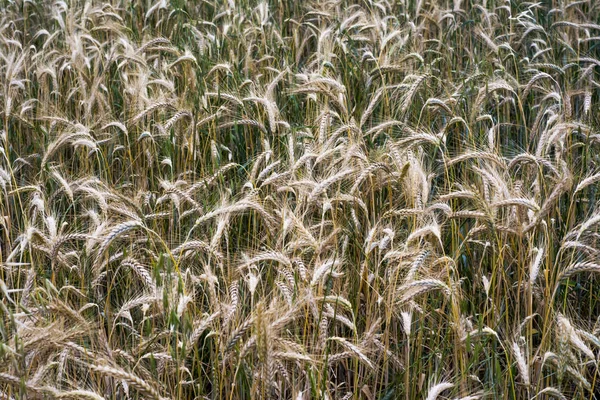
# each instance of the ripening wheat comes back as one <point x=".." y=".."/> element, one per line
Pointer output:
<point x="299" y="200"/>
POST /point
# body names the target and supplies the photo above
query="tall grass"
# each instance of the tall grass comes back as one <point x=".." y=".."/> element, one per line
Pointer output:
<point x="299" y="200"/>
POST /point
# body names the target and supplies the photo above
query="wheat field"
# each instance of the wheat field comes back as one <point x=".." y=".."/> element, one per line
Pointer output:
<point x="341" y="199"/>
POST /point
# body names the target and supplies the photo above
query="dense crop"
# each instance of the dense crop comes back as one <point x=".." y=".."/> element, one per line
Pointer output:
<point x="299" y="200"/>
